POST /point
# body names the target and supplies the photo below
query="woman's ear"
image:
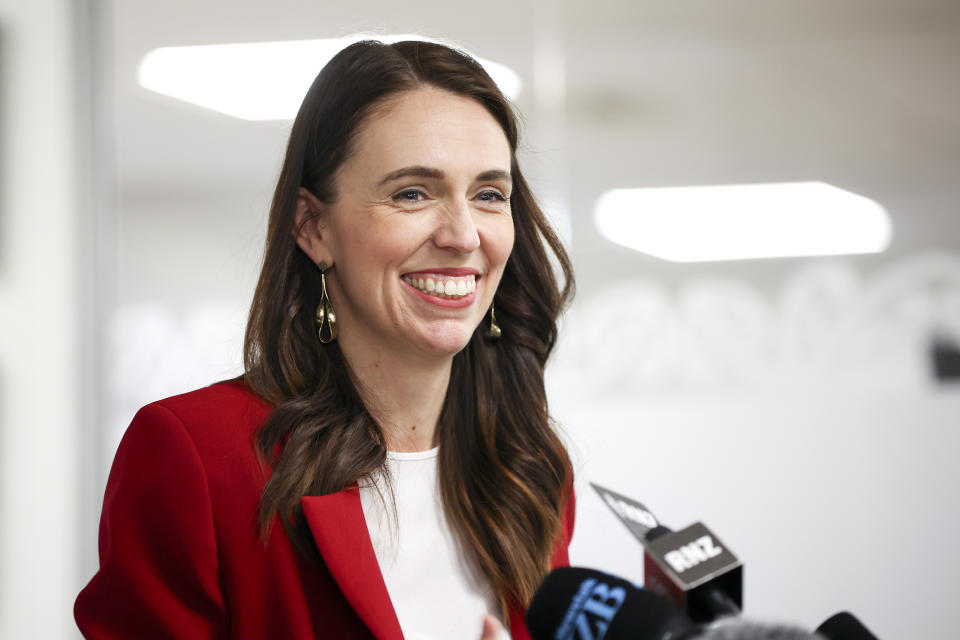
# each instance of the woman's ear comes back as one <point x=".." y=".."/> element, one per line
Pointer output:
<point x="310" y="228"/>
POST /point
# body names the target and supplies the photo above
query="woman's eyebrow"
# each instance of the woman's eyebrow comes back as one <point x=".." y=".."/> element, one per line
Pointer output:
<point x="494" y="174"/>
<point x="436" y="174"/>
<point x="418" y="171"/>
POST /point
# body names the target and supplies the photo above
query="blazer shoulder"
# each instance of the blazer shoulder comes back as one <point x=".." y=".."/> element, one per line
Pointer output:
<point x="222" y="413"/>
<point x="226" y="394"/>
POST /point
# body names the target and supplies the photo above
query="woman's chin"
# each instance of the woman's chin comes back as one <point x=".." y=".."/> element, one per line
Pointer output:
<point x="447" y="341"/>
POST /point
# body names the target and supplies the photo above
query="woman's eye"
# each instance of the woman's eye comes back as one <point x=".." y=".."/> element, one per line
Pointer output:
<point x="410" y="195"/>
<point x="491" y="196"/>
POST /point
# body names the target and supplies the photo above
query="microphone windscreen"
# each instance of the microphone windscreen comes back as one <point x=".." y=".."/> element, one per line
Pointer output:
<point x="577" y="604"/>
<point x="739" y="629"/>
<point x="844" y="626"/>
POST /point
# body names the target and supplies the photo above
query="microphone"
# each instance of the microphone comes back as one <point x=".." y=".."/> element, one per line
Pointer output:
<point x="692" y="566"/>
<point x="694" y="569"/>
<point x="844" y="626"/>
<point x="584" y="604"/>
<point x="738" y="629"/>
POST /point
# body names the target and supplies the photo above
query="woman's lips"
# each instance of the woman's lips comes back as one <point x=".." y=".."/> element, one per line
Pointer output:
<point x="445" y="288"/>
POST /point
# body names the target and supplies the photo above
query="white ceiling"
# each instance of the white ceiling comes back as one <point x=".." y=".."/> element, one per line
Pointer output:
<point x="863" y="94"/>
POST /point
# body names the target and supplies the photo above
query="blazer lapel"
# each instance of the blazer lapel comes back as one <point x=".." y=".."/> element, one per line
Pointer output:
<point x="340" y="531"/>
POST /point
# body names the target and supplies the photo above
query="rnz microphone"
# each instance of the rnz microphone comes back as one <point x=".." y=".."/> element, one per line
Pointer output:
<point x="694" y="569"/>
<point x="584" y="604"/>
<point x="691" y="566"/>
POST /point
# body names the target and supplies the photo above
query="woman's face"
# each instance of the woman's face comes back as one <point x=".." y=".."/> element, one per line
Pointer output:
<point x="421" y="228"/>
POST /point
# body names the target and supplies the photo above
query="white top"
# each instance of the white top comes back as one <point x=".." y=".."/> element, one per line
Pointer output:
<point x="435" y="593"/>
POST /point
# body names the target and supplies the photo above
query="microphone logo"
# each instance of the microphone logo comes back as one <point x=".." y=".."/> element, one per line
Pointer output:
<point x="690" y="555"/>
<point x="593" y="607"/>
<point x="630" y="511"/>
<point x="635" y="517"/>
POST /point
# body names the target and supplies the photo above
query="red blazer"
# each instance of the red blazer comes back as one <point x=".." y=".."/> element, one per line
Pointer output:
<point x="180" y="551"/>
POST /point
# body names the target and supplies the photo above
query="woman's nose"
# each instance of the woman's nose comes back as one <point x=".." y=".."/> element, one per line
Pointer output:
<point x="457" y="228"/>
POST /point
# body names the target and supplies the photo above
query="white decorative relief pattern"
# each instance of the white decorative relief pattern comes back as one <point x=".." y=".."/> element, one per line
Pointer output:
<point x="826" y="326"/>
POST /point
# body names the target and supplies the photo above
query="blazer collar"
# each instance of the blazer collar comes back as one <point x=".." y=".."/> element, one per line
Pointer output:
<point x="340" y="531"/>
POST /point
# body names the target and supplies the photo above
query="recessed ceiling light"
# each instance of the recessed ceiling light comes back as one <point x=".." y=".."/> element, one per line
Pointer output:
<point x="736" y="222"/>
<point x="263" y="80"/>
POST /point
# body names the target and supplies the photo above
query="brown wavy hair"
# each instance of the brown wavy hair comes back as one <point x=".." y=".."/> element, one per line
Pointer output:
<point x="504" y="474"/>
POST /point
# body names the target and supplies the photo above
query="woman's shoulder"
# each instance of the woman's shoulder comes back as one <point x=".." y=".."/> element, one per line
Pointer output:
<point x="232" y="396"/>
<point x="223" y="415"/>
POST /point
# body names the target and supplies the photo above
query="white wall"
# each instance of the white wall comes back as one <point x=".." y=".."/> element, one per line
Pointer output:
<point x="39" y="315"/>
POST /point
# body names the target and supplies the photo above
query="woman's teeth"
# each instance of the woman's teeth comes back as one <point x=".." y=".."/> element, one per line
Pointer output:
<point x="443" y="286"/>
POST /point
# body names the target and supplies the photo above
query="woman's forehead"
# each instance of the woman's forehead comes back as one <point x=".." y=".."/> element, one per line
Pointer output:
<point x="433" y="128"/>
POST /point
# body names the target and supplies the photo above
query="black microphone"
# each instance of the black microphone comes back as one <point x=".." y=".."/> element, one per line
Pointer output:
<point x="691" y="566"/>
<point x="585" y="604"/>
<point x="844" y="626"/>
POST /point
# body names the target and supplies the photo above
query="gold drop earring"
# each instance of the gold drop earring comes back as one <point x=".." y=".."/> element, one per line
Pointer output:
<point x="326" y="317"/>
<point x="493" y="331"/>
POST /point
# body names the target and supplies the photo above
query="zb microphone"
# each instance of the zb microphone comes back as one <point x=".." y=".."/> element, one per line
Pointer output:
<point x="585" y="604"/>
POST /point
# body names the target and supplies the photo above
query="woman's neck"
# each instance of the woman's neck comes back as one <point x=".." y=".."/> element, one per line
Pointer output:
<point x="404" y="395"/>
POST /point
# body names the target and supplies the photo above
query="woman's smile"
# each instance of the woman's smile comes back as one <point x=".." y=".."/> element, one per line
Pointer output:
<point x="450" y="288"/>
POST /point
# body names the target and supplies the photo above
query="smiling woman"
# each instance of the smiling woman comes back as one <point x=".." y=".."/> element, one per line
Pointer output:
<point x="386" y="467"/>
<point x="424" y="195"/>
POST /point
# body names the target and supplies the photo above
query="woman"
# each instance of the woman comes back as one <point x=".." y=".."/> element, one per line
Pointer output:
<point x="392" y="417"/>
